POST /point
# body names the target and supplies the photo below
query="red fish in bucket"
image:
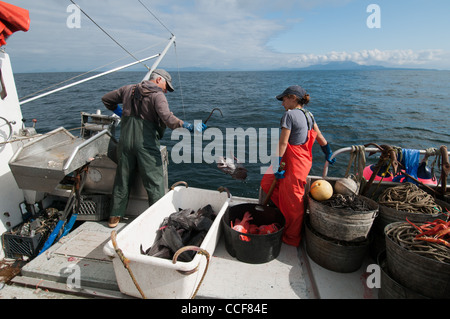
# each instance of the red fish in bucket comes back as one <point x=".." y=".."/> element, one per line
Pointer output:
<point x="268" y="229"/>
<point x="243" y="225"/>
<point x="246" y="227"/>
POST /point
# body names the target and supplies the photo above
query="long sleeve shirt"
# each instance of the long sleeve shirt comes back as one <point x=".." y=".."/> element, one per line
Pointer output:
<point x="154" y="106"/>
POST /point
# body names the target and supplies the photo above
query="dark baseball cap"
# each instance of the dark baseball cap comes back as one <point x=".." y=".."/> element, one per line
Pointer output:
<point x="164" y="74"/>
<point x="295" y="90"/>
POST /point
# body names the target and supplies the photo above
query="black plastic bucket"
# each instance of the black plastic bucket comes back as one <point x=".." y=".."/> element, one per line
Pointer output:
<point x="259" y="248"/>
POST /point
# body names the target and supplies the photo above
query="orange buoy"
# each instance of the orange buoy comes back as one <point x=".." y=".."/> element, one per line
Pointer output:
<point x="321" y="190"/>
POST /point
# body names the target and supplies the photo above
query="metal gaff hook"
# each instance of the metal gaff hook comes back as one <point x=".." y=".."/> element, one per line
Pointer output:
<point x="212" y="114"/>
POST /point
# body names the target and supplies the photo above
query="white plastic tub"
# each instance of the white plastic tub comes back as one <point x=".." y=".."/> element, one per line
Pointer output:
<point x="159" y="277"/>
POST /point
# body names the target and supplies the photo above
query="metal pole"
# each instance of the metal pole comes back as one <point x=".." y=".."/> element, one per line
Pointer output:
<point x="88" y="79"/>
<point x="155" y="65"/>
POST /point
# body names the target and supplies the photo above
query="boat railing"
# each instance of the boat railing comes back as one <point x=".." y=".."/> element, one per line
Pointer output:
<point x="9" y="124"/>
<point x="350" y="149"/>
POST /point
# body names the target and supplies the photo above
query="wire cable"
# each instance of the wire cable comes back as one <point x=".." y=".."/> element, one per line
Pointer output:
<point x="104" y="31"/>
<point x="179" y="79"/>
<point x="155" y="17"/>
<point x="176" y="55"/>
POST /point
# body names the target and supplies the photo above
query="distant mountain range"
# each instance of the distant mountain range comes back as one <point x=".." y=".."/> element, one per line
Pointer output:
<point x="331" y="66"/>
<point x="348" y="65"/>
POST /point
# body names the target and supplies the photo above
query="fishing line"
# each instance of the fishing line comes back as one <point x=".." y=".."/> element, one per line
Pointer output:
<point x="179" y="79"/>
<point x="155" y="17"/>
<point x="109" y="35"/>
<point x="176" y="54"/>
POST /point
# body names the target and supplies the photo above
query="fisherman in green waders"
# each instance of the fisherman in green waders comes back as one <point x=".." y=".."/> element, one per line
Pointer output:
<point x="145" y="115"/>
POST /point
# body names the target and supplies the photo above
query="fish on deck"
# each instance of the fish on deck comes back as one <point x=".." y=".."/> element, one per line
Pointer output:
<point x="183" y="228"/>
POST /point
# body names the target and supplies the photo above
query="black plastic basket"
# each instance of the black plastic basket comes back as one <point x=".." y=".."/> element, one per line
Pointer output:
<point x="17" y="245"/>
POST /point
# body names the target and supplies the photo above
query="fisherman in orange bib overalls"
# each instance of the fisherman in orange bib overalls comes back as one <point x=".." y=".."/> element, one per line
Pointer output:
<point x="298" y="134"/>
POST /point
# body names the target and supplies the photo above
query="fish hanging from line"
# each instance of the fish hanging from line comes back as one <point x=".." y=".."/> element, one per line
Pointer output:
<point x="232" y="167"/>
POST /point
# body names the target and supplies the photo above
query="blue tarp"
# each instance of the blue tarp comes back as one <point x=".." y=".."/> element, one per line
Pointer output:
<point x="410" y="159"/>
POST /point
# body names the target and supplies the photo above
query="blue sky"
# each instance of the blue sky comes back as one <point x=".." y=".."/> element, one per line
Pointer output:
<point x="234" y="34"/>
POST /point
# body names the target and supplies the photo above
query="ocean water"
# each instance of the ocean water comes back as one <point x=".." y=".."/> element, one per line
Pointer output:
<point x="405" y="108"/>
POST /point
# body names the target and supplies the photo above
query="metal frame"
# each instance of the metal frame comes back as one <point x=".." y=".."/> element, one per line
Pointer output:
<point x="349" y="149"/>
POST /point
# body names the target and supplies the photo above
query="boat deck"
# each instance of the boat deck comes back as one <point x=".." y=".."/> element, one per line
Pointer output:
<point x="292" y="275"/>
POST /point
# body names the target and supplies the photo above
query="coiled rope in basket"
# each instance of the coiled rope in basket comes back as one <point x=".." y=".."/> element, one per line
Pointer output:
<point x="408" y="197"/>
<point x="405" y="235"/>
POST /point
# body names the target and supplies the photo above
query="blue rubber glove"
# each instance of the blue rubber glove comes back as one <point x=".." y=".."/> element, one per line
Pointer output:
<point x="326" y="149"/>
<point x="279" y="174"/>
<point x="201" y="127"/>
<point x="188" y="126"/>
<point x="118" y="111"/>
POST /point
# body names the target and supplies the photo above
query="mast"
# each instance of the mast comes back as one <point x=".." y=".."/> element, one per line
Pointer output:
<point x="163" y="53"/>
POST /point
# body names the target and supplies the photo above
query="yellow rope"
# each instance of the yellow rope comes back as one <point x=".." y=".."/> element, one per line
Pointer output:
<point x="200" y="251"/>
<point x="125" y="262"/>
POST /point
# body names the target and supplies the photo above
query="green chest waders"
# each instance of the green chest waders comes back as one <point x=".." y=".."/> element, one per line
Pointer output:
<point x="138" y="154"/>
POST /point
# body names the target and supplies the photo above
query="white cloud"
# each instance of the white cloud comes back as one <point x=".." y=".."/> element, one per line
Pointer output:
<point x="373" y="57"/>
